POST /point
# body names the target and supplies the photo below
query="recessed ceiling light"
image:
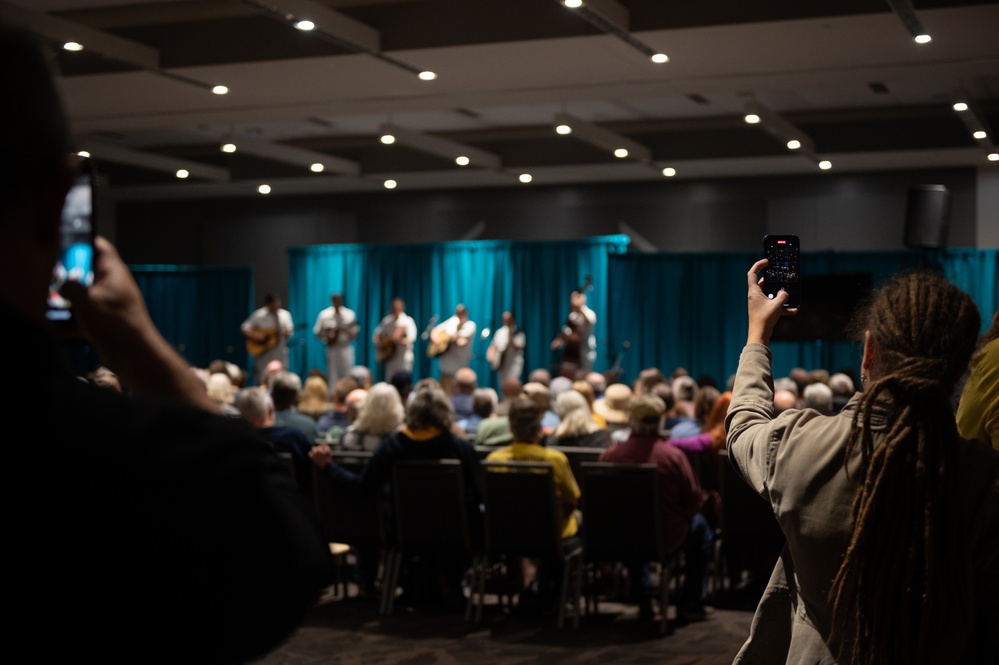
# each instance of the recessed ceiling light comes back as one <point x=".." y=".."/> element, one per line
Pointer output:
<point x="317" y="168"/>
<point x="922" y="39"/>
<point x="183" y="173"/>
<point x="573" y="4"/>
<point x="228" y="147"/>
<point x="669" y="172"/>
<point x="83" y="153"/>
<point x="525" y="178"/>
<point x="220" y="90"/>
<point x="960" y="106"/>
<point x="461" y="160"/>
<point x="793" y="144"/>
<point x="825" y="165"/>
<point x="752" y="118"/>
<point x="73" y="46"/>
<point x="428" y="75"/>
<point x="264" y="189"/>
<point x="659" y="58"/>
<point x="387" y="139"/>
<point x="390" y="184"/>
<point x="621" y="153"/>
<point x="305" y="25"/>
<point x="564" y="130"/>
<point x="994" y="157"/>
<point x="980" y="134"/>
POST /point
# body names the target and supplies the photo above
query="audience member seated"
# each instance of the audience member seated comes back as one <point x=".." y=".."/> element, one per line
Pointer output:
<point x="842" y="388"/>
<point x="784" y="400"/>
<point x="332" y="424"/>
<point x="465" y="383"/>
<point x="599" y="383"/>
<point x="703" y="401"/>
<point x="681" y="500"/>
<point x="614" y="408"/>
<point x="525" y="423"/>
<point x="510" y="389"/>
<point x="494" y="432"/>
<point x="363" y="376"/>
<point x="978" y="409"/>
<point x="380" y="414"/>
<point x="222" y="392"/>
<point x="257" y="408"/>
<point x="427" y="434"/>
<point x="557" y="386"/>
<point x="403" y="382"/>
<point x="648" y="379"/>
<point x="818" y="396"/>
<point x="576" y="427"/>
<point x="540" y="375"/>
<point x="684" y="394"/>
<point x="314" y="400"/>
<point x="483" y="406"/>
<point x="283" y="387"/>
<point x="541" y="396"/>
<point x="586" y="390"/>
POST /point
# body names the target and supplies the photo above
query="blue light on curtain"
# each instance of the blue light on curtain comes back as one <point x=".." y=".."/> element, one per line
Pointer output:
<point x="199" y="310"/>
<point x="532" y="279"/>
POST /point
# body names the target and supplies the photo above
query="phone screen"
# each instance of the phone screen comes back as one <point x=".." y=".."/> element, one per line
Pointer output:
<point x="783" y="269"/>
<point x="76" y="252"/>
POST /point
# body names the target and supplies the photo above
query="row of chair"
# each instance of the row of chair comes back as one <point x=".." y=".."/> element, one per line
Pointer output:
<point x="521" y="519"/>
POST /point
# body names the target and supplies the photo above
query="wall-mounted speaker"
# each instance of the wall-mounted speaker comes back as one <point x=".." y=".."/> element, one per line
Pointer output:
<point x="927" y="216"/>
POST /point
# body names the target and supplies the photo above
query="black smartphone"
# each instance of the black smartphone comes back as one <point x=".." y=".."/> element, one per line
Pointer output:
<point x="76" y="252"/>
<point x="783" y="271"/>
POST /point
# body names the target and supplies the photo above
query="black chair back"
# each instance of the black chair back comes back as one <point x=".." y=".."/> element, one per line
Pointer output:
<point x="346" y="513"/>
<point x="429" y="506"/>
<point x="621" y="512"/>
<point x="521" y="512"/>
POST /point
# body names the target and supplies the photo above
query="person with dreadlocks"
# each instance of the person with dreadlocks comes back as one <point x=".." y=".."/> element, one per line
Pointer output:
<point x="891" y="519"/>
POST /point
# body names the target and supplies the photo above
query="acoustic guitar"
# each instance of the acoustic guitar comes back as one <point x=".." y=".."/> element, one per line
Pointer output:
<point x="384" y="348"/>
<point x="439" y="343"/>
<point x="271" y="338"/>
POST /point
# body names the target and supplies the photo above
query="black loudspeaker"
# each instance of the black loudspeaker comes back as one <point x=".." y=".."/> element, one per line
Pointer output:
<point x="927" y="216"/>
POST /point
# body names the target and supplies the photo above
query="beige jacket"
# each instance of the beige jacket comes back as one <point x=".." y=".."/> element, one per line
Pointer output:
<point x="795" y="461"/>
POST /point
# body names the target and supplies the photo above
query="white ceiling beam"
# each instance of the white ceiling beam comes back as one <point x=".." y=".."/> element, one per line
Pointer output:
<point x="441" y="147"/>
<point x="102" y="151"/>
<point x="328" y="21"/>
<point x="62" y="31"/>
<point x="291" y="155"/>
<point x="604" y="138"/>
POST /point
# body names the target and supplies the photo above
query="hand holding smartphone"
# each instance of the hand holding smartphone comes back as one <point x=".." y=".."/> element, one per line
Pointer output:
<point x="76" y="252"/>
<point x="783" y="271"/>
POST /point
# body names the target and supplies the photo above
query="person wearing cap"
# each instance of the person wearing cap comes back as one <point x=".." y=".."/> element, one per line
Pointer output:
<point x="681" y="500"/>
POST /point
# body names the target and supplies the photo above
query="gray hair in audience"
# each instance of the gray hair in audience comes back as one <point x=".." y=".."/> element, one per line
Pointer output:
<point x="381" y="411"/>
<point x="284" y="387"/>
<point x="430" y="407"/>
<point x="684" y="388"/>
<point x="484" y="401"/>
<point x="842" y="385"/>
<point x="253" y="404"/>
<point x="786" y="383"/>
<point x="819" y="396"/>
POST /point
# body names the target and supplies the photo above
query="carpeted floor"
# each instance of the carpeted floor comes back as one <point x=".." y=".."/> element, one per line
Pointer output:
<point x="351" y="631"/>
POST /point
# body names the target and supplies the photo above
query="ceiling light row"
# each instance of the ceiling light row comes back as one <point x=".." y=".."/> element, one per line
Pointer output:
<point x="973" y="119"/>
<point x="613" y="18"/>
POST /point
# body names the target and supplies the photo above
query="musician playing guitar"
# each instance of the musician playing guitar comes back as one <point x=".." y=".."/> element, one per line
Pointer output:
<point x="336" y="327"/>
<point x="451" y="341"/>
<point x="576" y="338"/>
<point x="506" y="352"/>
<point x="394" y="339"/>
<point x="267" y="331"/>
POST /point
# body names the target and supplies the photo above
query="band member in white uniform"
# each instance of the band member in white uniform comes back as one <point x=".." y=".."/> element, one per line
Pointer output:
<point x="577" y="340"/>
<point x="506" y="352"/>
<point x="394" y="339"/>
<point x="451" y="341"/>
<point x="337" y="328"/>
<point x="267" y="331"/>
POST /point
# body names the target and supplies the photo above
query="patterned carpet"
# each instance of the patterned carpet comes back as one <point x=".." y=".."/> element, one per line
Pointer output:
<point x="350" y="631"/>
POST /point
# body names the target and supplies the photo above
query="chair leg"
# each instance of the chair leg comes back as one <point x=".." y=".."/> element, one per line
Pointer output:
<point x="578" y="591"/>
<point x="665" y="575"/>
<point x="563" y="591"/>
<point x="390" y="581"/>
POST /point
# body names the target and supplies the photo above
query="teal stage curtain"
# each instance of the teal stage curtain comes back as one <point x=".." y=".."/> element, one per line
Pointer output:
<point x="689" y="310"/>
<point x="533" y="280"/>
<point x="199" y="310"/>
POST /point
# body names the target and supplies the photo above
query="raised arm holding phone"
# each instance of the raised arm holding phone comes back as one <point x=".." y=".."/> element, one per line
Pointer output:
<point x="891" y="520"/>
<point x="165" y="532"/>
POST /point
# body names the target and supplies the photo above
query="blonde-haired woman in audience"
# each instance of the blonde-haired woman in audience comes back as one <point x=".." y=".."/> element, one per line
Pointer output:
<point x="314" y="400"/>
<point x="585" y="388"/>
<point x="381" y="414"/>
<point x="576" y="427"/>
<point x="221" y="390"/>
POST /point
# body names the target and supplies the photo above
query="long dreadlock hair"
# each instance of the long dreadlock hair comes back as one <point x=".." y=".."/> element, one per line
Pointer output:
<point x="888" y="591"/>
